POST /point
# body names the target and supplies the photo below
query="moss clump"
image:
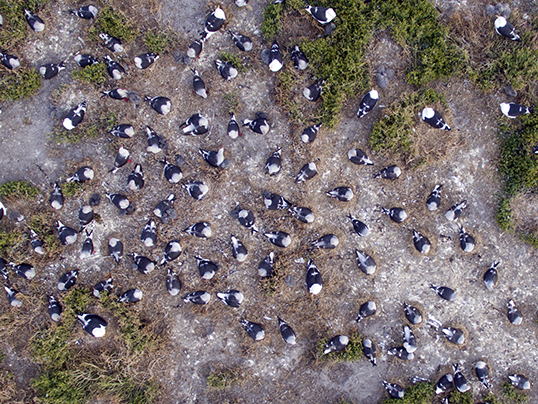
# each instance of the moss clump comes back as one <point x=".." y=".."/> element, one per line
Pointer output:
<point x="419" y="393"/>
<point x="18" y="190"/>
<point x="415" y="25"/>
<point x="73" y="374"/>
<point x="114" y="23"/>
<point x="352" y="352"/>
<point x="457" y="397"/>
<point x="44" y="225"/>
<point x="491" y="399"/>
<point x="159" y="42"/>
<point x="23" y="83"/>
<point x="339" y="59"/>
<point x="531" y="238"/>
<point x="223" y="379"/>
<point x="394" y="133"/>
<point x="12" y="244"/>
<point x="514" y="395"/>
<point x="518" y="166"/>
<point x="235" y="60"/>
<point x="14" y="25"/>
<point x="93" y="74"/>
<point x="504" y="215"/>
<point x="70" y="189"/>
<point x="272" y="21"/>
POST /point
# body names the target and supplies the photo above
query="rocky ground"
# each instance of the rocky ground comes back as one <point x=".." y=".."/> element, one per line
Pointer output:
<point x="201" y="341"/>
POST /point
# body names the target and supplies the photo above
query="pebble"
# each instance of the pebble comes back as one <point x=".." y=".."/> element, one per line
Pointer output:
<point x="499" y="9"/>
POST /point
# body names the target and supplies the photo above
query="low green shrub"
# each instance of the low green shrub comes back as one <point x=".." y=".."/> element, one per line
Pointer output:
<point x="394" y="132"/>
<point x="457" y="397"/>
<point x="114" y="23"/>
<point x="18" y="190"/>
<point x="20" y="84"/>
<point x="504" y="215"/>
<point x="272" y="21"/>
<point x="419" y="393"/>
<point x="235" y="60"/>
<point x="71" y="373"/>
<point x="93" y="74"/>
<point x="514" y="395"/>
<point x="351" y="353"/>
<point x="159" y="42"/>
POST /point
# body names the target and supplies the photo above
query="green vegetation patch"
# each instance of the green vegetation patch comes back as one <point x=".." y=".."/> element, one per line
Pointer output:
<point x="113" y="23"/>
<point x="235" y="60"/>
<point x="72" y="373"/>
<point x="159" y="41"/>
<point x="18" y="190"/>
<point x="419" y="393"/>
<point x="340" y="58"/>
<point x="514" y="395"/>
<point x="231" y="103"/>
<point x="12" y="245"/>
<point x="43" y="224"/>
<point x="85" y="131"/>
<point x="457" y="397"/>
<point x="70" y="189"/>
<point x="224" y="379"/>
<point x="135" y="332"/>
<point x="394" y="132"/>
<point x="352" y="352"/>
<point x="93" y="74"/>
<point x="285" y="84"/>
<point x="415" y="25"/>
<point x="504" y="215"/>
<point x="14" y="27"/>
<point x="20" y="84"/>
<point x="272" y="20"/>
<point x="518" y="167"/>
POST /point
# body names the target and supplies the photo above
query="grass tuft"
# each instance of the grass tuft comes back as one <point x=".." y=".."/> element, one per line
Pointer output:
<point x="514" y="395"/>
<point x="235" y="60"/>
<point x="134" y="331"/>
<point x="223" y="379"/>
<point x="272" y="21"/>
<point x="73" y="374"/>
<point x="12" y="245"/>
<point x="95" y="74"/>
<point x="419" y="393"/>
<point x="457" y="397"/>
<point x="85" y="131"/>
<point x="44" y="225"/>
<point x="394" y="133"/>
<point x="352" y="352"/>
<point x="18" y="190"/>
<point x="159" y="41"/>
<point x="22" y="83"/>
<point x="504" y="215"/>
<point x="114" y="23"/>
<point x="73" y="188"/>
